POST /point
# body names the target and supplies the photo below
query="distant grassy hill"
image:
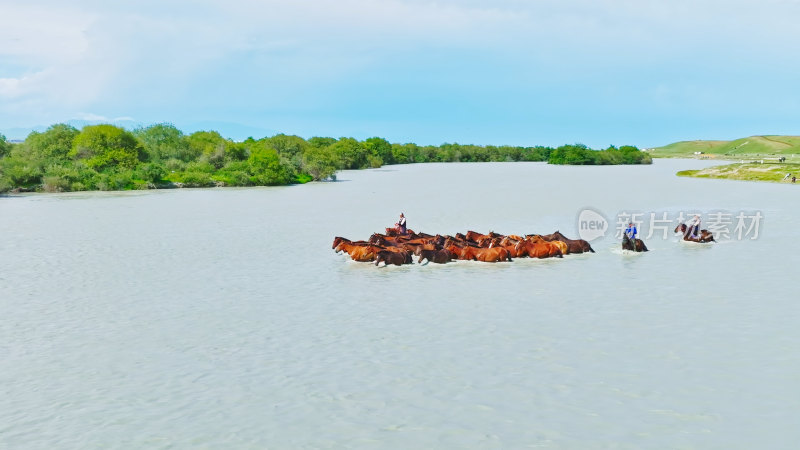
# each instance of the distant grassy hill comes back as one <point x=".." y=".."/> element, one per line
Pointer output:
<point x="753" y="147"/>
<point x="775" y="173"/>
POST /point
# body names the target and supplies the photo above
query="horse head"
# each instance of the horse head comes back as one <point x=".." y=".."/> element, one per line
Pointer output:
<point x="339" y="247"/>
<point x="336" y="241"/>
<point x="377" y="239"/>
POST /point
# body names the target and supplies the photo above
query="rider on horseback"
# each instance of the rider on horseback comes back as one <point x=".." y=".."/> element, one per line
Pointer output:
<point x="400" y="226"/>
<point x="630" y="234"/>
<point x="694" y="227"/>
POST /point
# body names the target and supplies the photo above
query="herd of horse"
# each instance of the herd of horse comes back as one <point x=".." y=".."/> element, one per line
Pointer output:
<point x="397" y="249"/>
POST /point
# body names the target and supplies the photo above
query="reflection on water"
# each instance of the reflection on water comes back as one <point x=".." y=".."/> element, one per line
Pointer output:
<point x="222" y="318"/>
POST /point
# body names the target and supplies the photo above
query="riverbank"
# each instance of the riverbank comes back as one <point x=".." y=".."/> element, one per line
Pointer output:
<point x="772" y="173"/>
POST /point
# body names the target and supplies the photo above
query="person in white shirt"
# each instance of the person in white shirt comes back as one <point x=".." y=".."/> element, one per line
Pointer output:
<point x="400" y="226"/>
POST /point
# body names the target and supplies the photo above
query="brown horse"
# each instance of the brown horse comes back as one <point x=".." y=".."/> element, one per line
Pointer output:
<point x="361" y="253"/>
<point x="455" y="248"/>
<point x="476" y="237"/>
<point x="383" y="241"/>
<point x="539" y="249"/>
<point x="509" y="244"/>
<point x="485" y="254"/>
<point x="338" y="240"/>
<point x="560" y="244"/>
<point x="705" y="235"/>
<point x="390" y="257"/>
<point x="635" y="246"/>
<point x="573" y="245"/>
<point x="434" y="256"/>
<point x="394" y="233"/>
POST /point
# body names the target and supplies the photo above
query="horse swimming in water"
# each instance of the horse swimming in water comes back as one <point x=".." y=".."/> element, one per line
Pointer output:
<point x="704" y="237"/>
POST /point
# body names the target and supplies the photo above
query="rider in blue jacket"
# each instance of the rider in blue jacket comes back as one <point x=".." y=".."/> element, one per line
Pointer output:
<point x="630" y="234"/>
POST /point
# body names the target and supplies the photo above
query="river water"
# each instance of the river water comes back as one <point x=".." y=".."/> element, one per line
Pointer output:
<point x="221" y="318"/>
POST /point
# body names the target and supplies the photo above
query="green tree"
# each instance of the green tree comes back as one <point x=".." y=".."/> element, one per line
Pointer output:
<point x="54" y="143"/>
<point x="287" y="146"/>
<point x="380" y="148"/>
<point x="5" y="146"/>
<point x="320" y="163"/>
<point x="317" y="141"/>
<point x="266" y="168"/>
<point x="163" y="141"/>
<point x="290" y="150"/>
<point x="210" y="146"/>
<point x="350" y="154"/>
<point x="577" y="154"/>
<point x="21" y="172"/>
<point x="107" y="147"/>
<point x="400" y="153"/>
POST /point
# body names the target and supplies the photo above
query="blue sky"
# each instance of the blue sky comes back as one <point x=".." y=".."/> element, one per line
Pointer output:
<point x="516" y="72"/>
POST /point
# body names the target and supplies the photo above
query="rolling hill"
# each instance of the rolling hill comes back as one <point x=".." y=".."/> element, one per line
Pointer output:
<point x="764" y="147"/>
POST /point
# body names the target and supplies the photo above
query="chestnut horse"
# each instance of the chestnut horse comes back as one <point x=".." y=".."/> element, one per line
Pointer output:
<point x="476" y="237"/>
<point x="560" y="244"/>
<point x="538" y="249"/>
<point x="507" y="243"/>
<point x="338" y="240"/>
<point x="573" y="245"/>
<point x="484" y="254"/>
<point x="361" y="253"/>
<point x="705" y="235"/>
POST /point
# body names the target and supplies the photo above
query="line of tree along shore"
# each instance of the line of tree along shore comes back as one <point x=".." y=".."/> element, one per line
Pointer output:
<point x="107" y="157"/>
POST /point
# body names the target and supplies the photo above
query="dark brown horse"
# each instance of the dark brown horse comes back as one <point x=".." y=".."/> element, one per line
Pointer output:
<point x="705" y="235"/>
<point x="390" y="257"/>
<point x="635" y="246"/>
<point x="393" y="232"/>
<point x="573" y="245"/>
<point x="434" y="256"/>
<point x="382" y="240"/>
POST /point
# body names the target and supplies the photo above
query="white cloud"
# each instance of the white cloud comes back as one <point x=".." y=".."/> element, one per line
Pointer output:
<point x="91" y="117"/>
<point x="12" y="88"/>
